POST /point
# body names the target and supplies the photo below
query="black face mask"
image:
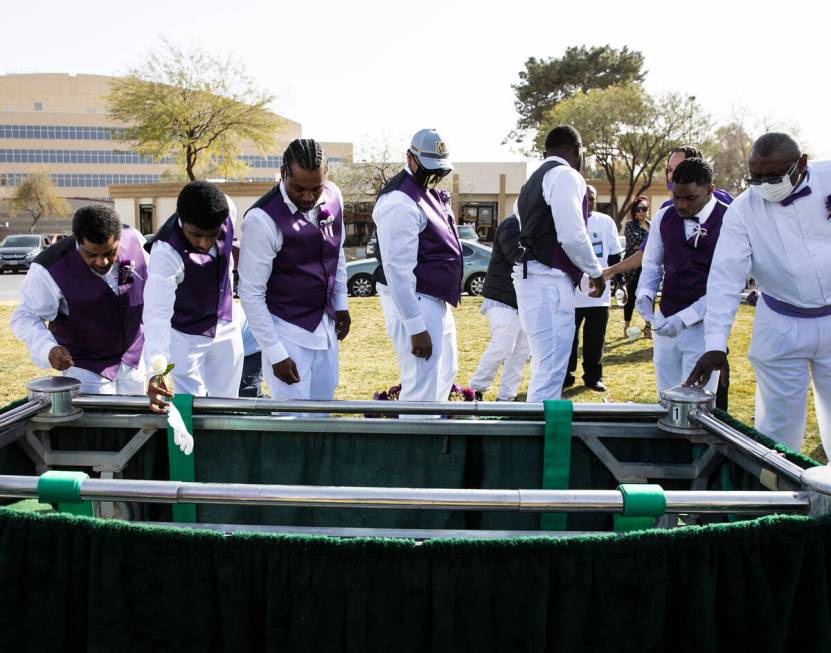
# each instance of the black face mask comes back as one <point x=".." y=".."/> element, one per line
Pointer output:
<point x="428" y="178"/>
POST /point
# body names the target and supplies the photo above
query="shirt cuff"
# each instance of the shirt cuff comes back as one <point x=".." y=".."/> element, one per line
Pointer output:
<point x="689" y="316"/>
<point x="414" y="325"/>
<point x="275" y="353"/>
<point x="715" y="343"/>
<point x="596" y="271"/>
<point x="43" y="353"/>
<point x="340" y="302"/>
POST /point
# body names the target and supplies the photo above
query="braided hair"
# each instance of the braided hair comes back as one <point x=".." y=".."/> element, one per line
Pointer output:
<point x="306" y="153"/>
<point x="689" y="151"/>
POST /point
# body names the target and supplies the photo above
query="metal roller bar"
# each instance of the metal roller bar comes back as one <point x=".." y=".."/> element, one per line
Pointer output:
<point x="24" y="411"/>
<point x="409" y="498"/>
<point x="767" y="457"/>
<point x="489" y="408"/>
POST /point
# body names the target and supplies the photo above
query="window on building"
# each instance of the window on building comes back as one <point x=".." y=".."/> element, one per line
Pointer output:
<point x="38" y="106"/>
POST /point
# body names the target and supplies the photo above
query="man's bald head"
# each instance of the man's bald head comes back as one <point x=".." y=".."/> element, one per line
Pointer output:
<point x="774" y="143"/>
<point x="775" y="153"/>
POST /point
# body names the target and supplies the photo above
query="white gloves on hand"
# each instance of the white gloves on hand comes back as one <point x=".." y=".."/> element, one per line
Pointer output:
<point x="646" y="307"/>
<point x="670" y="327"/>
<point x="181" y="437"/>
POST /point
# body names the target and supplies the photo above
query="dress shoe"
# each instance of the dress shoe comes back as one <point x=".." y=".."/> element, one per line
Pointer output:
<point x="597" y="386"/>
<point x="569" y="381"/>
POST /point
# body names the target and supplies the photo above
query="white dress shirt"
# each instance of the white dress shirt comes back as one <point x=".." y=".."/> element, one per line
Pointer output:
<point x="40" y="301"/>
<point x="261" y="242"/>
<point x="653" y="260"/>
<point x="785" y="248"/>
<point x="564" y="189"/>
<point x="398" y="222"/>
<point x="605" y="242"/>
<point x="165" y="272"/>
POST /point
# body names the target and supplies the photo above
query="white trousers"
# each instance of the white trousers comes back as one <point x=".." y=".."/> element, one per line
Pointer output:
<point x="206" y="366"/>
<point x="509" y="346"/>
<point x="782" y="351"/>
<point x="675" y="358"/>
<point x="546" y="311"/>
<point x="424" y="380"/>
<point x="318" y="370"/>
<point x="128" y="381"/>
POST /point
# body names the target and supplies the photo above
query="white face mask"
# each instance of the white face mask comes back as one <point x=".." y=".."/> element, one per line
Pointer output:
<point x="777" y="192"/>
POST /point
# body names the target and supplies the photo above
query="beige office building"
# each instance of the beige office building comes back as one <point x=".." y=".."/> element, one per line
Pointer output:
<point x="60" y="122"/>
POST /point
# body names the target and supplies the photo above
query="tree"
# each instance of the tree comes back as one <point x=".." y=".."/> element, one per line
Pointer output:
<point x="628" y="134"/>
<point x="730" y="147"/>
<point x="363" y="180"/>
<point x="193" y="105"/>
<point x="729" y="151"/>
<point x="545" y="82"/>
<point x="37" y="197"/>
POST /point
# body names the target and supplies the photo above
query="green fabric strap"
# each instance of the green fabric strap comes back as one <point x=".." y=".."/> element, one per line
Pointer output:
<point x="60" y="487"/>
<point x="556" y="456"/>
<point x="182" y="466"/>
<point x="641" y="505"/>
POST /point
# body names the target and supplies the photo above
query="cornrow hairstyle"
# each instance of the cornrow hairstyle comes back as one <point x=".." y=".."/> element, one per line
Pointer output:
<point x="305" y="152"/>
<point x="95" y="224"/>
<point x="689" y="151"/>
<point x="693" y="171"/>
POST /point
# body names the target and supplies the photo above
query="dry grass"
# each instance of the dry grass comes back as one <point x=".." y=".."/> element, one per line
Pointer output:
<point x="368" y="363"/>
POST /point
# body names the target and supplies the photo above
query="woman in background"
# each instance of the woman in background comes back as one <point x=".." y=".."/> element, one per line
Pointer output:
<point x="637" y="229"/>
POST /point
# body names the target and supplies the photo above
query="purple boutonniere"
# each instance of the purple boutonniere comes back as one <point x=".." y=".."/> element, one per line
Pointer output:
<point x="828" y="206"/>
<point x="444" y="196"/>
<point x="325" y="220"/>
<point x="126" y="272"/>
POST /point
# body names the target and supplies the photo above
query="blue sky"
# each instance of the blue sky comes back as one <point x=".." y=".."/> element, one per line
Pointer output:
<point x="370" y="71"/>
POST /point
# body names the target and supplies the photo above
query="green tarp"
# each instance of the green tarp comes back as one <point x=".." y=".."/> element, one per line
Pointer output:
<point x="73" y="584"/>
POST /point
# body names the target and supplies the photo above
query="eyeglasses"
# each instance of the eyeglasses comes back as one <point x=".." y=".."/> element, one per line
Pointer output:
<point x="754" y="180"/>
<point x="641" y="209"/>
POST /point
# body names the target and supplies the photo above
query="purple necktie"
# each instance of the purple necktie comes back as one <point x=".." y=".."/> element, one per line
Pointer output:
<point x="795" y="196"/>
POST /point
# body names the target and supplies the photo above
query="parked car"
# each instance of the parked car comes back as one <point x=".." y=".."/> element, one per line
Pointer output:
<point x="360" y="279"/>
<point x="17" y="252"/>
<point x="466" y="232"/>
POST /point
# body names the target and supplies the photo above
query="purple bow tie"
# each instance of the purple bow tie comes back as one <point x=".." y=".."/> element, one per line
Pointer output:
<point x="795" y="196"/>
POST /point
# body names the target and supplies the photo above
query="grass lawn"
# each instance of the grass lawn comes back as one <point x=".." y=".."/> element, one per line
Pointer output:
<point x="368" y="362"/>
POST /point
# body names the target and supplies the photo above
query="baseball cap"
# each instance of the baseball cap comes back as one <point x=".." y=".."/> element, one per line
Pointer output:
<point x="431" y="150"/>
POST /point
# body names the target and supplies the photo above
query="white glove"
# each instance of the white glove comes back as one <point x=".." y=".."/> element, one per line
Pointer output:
<point x="670" y="327"/>
<point x="181" y="437"/>
<point x="646" y="307"/>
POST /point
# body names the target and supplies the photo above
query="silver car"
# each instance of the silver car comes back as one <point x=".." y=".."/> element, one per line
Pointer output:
<point x="360" y="280"/>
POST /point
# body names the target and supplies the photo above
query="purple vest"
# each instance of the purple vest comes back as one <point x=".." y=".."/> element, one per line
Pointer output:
<point x="302" y="281"/>
<point x="686" y="267"/>
<point x="438" y="269"/>
<point x="205" y="296"/>
<point x="103" y="329"/>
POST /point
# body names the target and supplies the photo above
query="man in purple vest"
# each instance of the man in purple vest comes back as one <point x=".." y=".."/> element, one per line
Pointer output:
<point x="188" y="300"/>
<point x="420" y="275"/>
<point x="552" y="209"/>
<point x="778" y="231"/>
<point x="679" y="252"/>
<point x="293" y="276"/>
<point x="88" y="289"/>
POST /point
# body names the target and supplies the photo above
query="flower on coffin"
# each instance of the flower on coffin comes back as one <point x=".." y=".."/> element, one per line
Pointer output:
<point x="126" y="272"/>
<point x="828" y="206"/>
<point x="325" y="220"/>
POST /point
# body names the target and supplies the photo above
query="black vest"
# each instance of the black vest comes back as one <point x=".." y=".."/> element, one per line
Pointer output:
<point x="537" y="232"/>
<point x="506" y="252"/>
